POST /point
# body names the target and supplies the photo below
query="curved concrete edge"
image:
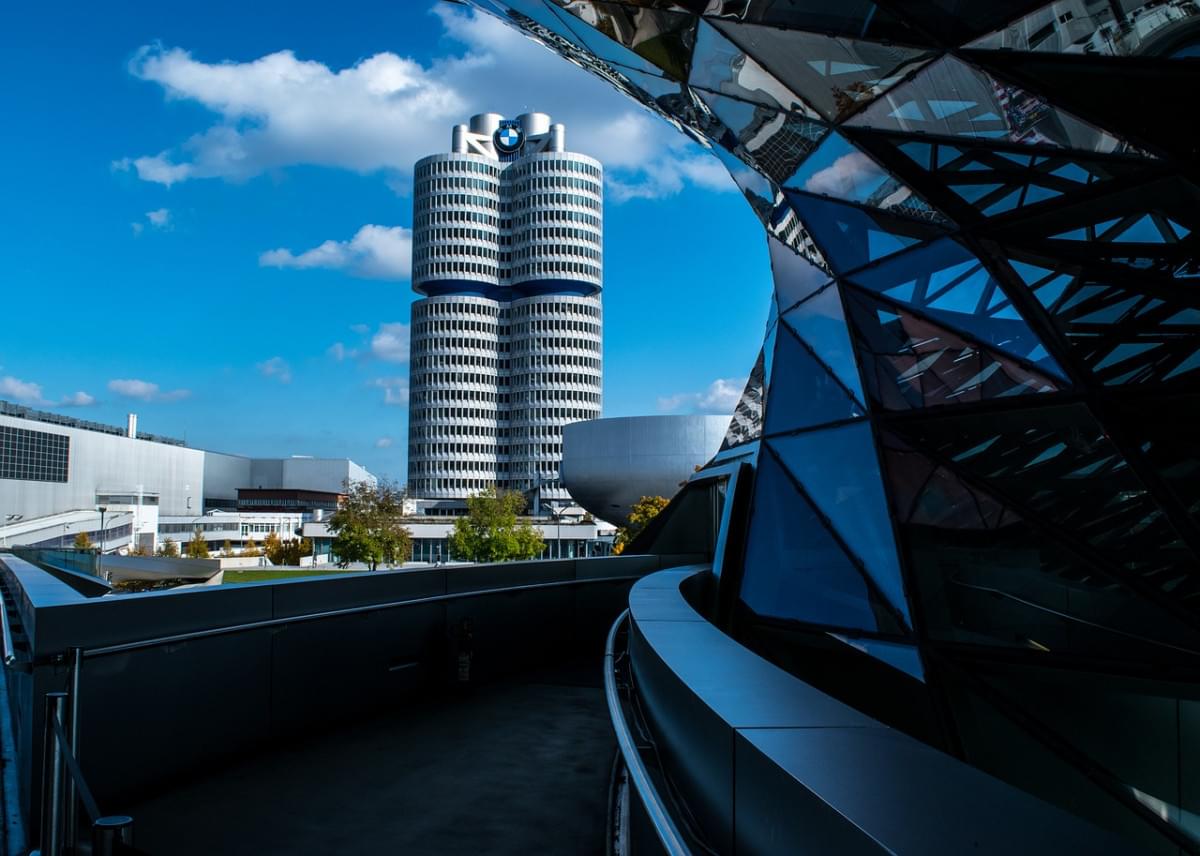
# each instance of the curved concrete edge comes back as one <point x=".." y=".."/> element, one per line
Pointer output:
<point x="770" y="764"/>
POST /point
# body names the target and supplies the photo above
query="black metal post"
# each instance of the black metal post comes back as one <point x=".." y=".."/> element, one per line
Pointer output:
<point x="52" y="778"/>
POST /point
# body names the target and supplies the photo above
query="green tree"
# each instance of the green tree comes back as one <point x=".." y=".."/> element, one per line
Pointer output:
<point x="643" y="511"/>
<point x="227" y="549"/>
<point x="250" y="548"/>
<point x="490" y="531"/>
<point x="82" y="541"/>
<point x="272" y="548"/>
<point x="286" y="552"/>
<point x="168" y="549"/>
<point x="368" y="526"/>
<point x="197" y="547"/>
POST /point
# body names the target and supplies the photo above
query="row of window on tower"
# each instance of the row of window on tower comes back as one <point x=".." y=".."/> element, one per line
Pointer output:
<point x="487" y="310"/>
<point x="555" y="268"/>
<point x="546" y="342"/>
<point x="556" y="215"/>
<point x="454" y="167"/>
<point x="541" y="200"/>
<point x="541" y="251"/>
<point x="547" y="165"/>
<point x="442" y="361"/>
<point x="457" y="182"/>
<point x="557" y="182"/>
<point x="435" y="343"/>
<point x="525" y="414"/>
<point x="459" y="217"/>
<point x="440" y="432"/>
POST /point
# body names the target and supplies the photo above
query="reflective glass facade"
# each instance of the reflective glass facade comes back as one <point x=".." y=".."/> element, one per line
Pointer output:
<point x="34" y="455"/>
<point x="973" y="417"/>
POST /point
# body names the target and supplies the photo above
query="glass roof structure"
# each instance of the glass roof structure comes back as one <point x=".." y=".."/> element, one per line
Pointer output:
<point x="974" y="417"/>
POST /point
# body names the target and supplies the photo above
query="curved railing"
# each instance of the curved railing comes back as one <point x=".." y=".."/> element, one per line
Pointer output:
<point x="664" y="827"/>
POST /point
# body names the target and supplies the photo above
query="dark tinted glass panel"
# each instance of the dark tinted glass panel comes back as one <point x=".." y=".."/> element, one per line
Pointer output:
<point x="794" y="568"/>
<point x="747" y="421"/>
<point x="795" y="276"/>
<point x="985" y="576"/>
<point x="838" y="469"/>
<point x="820" y="324"/>
<point x="834" y="75"/>
<point x="1057" y="465"/>
<point x="850" y="237"/>
<point x="804" y="393"/>
<point x="945" y="282"/>
<point x="952" y="99"/>
<point x="910" y="362"/>
<point x="34" y="455"/>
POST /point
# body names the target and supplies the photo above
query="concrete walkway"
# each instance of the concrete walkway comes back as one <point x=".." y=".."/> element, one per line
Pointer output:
<point x="517" y="767"/>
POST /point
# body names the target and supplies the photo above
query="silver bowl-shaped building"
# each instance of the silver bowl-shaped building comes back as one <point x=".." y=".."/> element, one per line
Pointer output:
<point x="955" y="525"/>
<point x="609" y="464"/>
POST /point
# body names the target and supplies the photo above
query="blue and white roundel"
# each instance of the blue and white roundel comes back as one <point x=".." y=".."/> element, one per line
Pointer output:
<point x="508" y="139"/>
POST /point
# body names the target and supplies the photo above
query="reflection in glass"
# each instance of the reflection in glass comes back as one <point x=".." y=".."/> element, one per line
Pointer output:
<point x="910" y="362"/>
<point x="1115" y="28"/>
<point x="835" y="75"/>
<point x="950" y="98"/>
<point x="807" y="394"/>
<point x="794" y="569"/>
<point x="838" y="469"/>
<point x="945" y="282"/>
<point x="820" y="324"/>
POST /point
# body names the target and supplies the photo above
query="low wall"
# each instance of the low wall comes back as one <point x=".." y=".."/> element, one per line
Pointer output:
<point x="150" y="715"/>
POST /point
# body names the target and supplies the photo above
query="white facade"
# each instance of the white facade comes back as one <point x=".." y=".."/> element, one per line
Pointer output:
<point x="56" y="471"/>
<point x="506" y="343"/>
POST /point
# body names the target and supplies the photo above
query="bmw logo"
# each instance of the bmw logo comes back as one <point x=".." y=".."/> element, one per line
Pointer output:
<point x="508" y="139"/>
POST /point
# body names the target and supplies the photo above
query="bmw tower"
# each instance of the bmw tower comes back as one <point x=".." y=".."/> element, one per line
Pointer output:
<point x="506" y="338"/>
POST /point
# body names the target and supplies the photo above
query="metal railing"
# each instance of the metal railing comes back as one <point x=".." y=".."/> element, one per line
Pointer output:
<point x="660" y="819"/>
<point x="10" y="652"/>
<point x="63" y="784"/>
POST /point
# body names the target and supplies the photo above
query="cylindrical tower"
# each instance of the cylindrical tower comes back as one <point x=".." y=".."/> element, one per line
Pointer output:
<point x="506" y="340"/>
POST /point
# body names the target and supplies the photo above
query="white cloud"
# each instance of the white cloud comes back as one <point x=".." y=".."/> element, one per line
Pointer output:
<point x="360" y="329"/>
<point x="383" y="443"/>
<point x="852" y="176"/>
<point x="375" y="252"/>
<point x="390" y="344"/>
<point x="720" y="398"/>
<point x="137" y="228"/>
<point x="340" y="352"/>
<point x="145" y="390"/>
<point x="277" y="368"/>
<point x="78" y="399"/>
<point x="22" y="391"/>
<point x="395" y="389"/>
<point x="386" y="111"/>
<point x="160" y="218"/>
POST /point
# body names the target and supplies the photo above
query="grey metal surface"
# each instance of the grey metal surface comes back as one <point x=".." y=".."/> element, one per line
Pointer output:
<point x="813" y="775"/>
<point x="609" y="464"/>
<point x="656" y="809"/>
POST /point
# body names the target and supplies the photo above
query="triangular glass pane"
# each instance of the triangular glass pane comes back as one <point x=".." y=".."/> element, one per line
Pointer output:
<point x="720" y="66"/>
<point x="905" y="658"/>
<point x="838" y="169"/>
<point x="942" y="269"/>
<point x="804" y="393"/>
<point x="820" y="324"/>
<point x="848" y="74"/>
<point x="1000" y="111"/>
<point x="1143" y="231"/>
<point x="634" y="37"/>
<point x="850" y="237"/>
<point x="795" y="569"/>
<point x="795" y="276"/>
<point x="989" y="578"/>
<point x="839" y="470"/>
<point x="776" y="141"/>
<point x="909" y="362"/>
<point x="747" y="421"/>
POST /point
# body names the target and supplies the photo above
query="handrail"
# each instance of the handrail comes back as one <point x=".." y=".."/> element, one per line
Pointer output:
<point x="660" y="819"/>
<point x="335" y="613"/>
<point x="10" y="651"/>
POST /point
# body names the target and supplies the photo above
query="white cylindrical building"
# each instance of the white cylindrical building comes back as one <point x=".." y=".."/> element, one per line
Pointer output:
<point x="507" y="338"/>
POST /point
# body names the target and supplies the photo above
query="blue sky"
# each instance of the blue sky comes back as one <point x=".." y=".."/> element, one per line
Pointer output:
<point x="207" y="208"/>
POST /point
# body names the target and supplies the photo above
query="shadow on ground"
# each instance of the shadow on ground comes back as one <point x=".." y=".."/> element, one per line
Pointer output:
<point x="520" y="766"/>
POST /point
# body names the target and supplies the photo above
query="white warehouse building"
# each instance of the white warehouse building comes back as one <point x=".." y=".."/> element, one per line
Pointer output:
<point x="506" y="340"/>
<point x="56" y="472"/>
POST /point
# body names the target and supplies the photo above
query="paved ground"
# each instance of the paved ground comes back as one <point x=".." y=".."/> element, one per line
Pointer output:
<point x="519" y="767"/>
